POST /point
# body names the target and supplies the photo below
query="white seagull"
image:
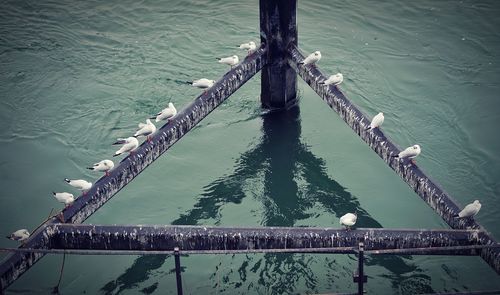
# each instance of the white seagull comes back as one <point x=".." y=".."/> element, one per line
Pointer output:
<point x="19" y="235"/>
<point x="104" y="166"/>
<point x="250" y="47"/>
<point x="129" y="145"/>
<point x="312" y="58"/>
<point x="166" y="114"/>
<point x="202" y="83"/>
<point x="147" y="129"/>
<point x="470" y="210"/>
<point x="377" y="121"/>
<point x="80" y="184"/>
<point x="65" y="198"/>
<point x="348" y="220"/>
<point x="231" y="60"/>
<point x="410" y="152"/>
<point x="334" y="79"/>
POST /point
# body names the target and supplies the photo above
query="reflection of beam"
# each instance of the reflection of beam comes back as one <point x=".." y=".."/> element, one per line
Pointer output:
<point x="16" y="264"/>
<point x="425" y="187"/>
<point x="193" y="238"/>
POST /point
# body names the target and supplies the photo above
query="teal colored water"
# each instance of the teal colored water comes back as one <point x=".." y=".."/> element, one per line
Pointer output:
<point x="75" y="75"/>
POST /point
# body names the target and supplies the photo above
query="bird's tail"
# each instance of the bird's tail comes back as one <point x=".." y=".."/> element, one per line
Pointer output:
<point x="90" y="168"/>
<point x="136" y="136"/>
<point x="9" y="237"/>
<point x="395" y="156"/>
<point x="54" y="193"/>
<point x="116" y="155"/>
<point x="369" y="127"/>
<point x="67" y="180"/>
<point x="189" y="82"/>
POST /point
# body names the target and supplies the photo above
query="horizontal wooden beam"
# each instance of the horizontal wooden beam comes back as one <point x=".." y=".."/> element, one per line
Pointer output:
<point x="205" y="238"/>
<point x="106" y="187"/>
<point x="423" y="185"/>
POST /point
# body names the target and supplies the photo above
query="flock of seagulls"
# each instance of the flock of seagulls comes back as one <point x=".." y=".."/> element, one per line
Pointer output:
<point x="348" y="220"/>
<point x="130" y="144"/>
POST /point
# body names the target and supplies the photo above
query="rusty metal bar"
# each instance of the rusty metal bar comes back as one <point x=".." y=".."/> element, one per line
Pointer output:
<point x="423" y="185"/>
<point x="106" y="187"/>
<point x="447" y="250"/>
<point x="192" y="238"/>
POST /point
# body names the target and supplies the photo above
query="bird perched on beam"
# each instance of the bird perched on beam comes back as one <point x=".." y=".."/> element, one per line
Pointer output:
<point x="166" y="114"/>
<point x="410" y="152"/>
<point x="65" y="198"/>
<point x="377" y="121"/>
<point x="348" y="220"/>
<point x="146" y="129"/>
<point x="202" y="83"/>
<point x="19" y="235"/>
<point x="231" y="60"/>
<point x="312" y="59"/>
<point x="333" y="79"/>
<point x="80" y="184"/>
<point x="103" y="166"/>
<point x="250" y="47"/>
<point x="470" y="210"/>
<point x="129" y="145"/>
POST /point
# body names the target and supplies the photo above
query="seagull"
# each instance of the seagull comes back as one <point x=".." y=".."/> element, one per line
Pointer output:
<point x="104" y="165"/>
<point x="202" y="83"/>
<point x="348" y="220"/>
<point x="334" y="79"/>
<point x="410" y="152"/>
<point x="312" y="58"/>
<point x="470" y="210"/>
<point x="166" y="114"/>
<point x="376" y="121"/>
<point x="65" y="198"/>
<point x="231" y="60"/>
<point x="129" y="145"/>
<point x="149" y="128"/>
<point x="80" y="184"/>
<point x="250" y="47"/>
<point x="19" y="235"/>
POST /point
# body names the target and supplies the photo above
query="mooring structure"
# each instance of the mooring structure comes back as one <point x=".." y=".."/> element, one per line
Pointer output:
<point x="278" y="57"/>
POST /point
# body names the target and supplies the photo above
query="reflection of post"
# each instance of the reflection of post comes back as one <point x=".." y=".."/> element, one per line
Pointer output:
<point x="280" y="146"/>
<point x="278" y="30"/>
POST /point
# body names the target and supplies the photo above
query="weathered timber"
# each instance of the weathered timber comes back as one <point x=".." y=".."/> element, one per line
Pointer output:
<point x="278" y="30"/>
<point x="187" y="238"/>
<point x="106" y="187"/>
<point x="423" y="185"/>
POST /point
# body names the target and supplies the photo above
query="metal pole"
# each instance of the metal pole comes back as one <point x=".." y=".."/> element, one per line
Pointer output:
<point x="177" y="259"/>
<point x="278" y="30"/>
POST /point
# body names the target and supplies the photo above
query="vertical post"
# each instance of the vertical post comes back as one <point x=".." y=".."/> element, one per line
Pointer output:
<point x="278" y="30"/>
<point x="359" y="276"/>
<point x="177" y="259"/>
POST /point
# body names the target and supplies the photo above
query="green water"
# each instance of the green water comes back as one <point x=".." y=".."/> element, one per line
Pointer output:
<point x="75" y="75"/>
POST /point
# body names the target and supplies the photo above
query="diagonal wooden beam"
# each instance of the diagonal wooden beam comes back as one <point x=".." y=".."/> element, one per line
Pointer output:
<point x="105" y="188"/>
<point x="423" y="185"/>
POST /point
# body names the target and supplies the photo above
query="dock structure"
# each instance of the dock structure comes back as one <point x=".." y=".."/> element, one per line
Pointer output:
<point x="279" y="59"/>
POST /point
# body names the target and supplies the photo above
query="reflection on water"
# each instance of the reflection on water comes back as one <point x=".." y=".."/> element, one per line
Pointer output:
<point x="282" y="159"/>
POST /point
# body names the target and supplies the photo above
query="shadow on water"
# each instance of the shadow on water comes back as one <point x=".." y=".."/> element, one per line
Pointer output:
<point x="294" y="181"/>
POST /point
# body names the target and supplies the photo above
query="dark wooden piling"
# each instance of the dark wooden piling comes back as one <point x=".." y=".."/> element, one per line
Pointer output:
<point x="278" y="30"/>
